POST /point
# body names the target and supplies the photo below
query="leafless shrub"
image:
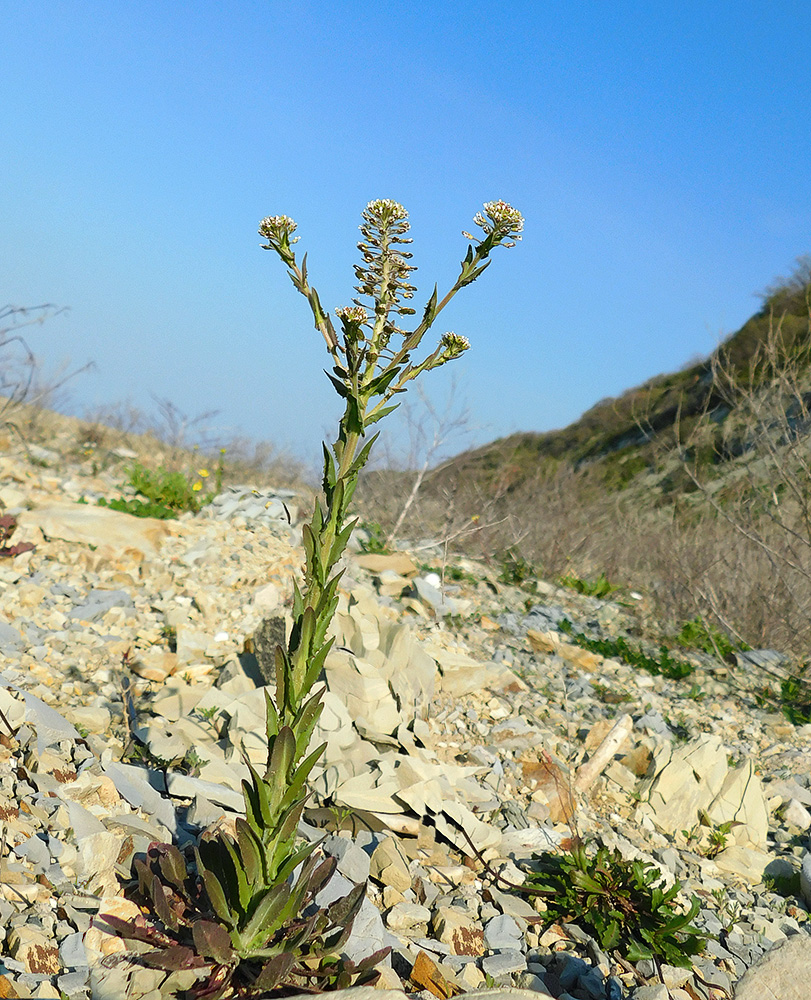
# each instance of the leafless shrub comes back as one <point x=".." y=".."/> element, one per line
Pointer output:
<point x="764" y="496"/>
<point x="23" y="380"/>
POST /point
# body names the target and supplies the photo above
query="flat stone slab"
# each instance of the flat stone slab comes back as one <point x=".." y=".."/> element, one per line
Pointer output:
<point x="783" y="973"/>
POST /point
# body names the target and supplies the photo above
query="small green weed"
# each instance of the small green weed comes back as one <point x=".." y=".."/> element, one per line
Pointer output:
<point x="516" y="571"/>
<point x="619" y="647"/>
<point x="718" y="839"/>
<point x="609" y="695"/>
<point x="374" y="542"/>
<point x="601" y="587"/>
<point x="784" y="885"/>
<point x="164" y="493"/>
<point x="169" y="635"/>
<point x="697" y="634"/>
<point x="729" y="911"/>
<point x="619" y="902"/>
<point x="139" y="508"/>
<point x="795" y="697"/>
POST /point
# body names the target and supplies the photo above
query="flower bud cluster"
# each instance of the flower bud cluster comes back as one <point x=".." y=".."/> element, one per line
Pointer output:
<point x="385" y="209"/>
<point x="500" y="219"/>
<point x="278" y="228"/>
<point x="453" y="344"/>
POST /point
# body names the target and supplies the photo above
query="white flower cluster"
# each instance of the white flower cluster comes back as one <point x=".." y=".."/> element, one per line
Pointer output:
<point x="352" y="314"/>
<point x="387" y="206"/>
<point x="500" y="218"/>
<point x="275" y="227"/>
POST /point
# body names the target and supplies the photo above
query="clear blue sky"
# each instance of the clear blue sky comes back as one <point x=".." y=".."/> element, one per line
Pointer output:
<point x="659" y="152"/>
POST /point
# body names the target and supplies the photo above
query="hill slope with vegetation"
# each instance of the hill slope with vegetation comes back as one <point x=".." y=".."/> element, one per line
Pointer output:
<point x="693" y="488"/>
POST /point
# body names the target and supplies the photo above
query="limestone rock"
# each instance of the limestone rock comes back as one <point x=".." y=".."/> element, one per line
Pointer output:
<point x="783" y="973"/>
<point x="98" y="526"/>
<point x="389" y="865"/>
<point x="459" y="930"/>
<point x="34" y="949"/>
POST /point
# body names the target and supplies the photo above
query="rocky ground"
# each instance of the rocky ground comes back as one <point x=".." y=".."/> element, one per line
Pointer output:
<point x="461" y="720"/>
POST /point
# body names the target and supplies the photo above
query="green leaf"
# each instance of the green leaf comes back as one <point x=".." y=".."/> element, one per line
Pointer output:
<point x="281" y="760"/>
<point x="378" y="385"/>
<point x="379" y="414"/>
<point x="289" y="864"/>
<point x="262" y="795"/>
<point x="429" y="315"/>
<point x="283" y="671"/>
<point x="243" y="889"/>
<point x="265" y="919"/>
<point x="271" y="715"/>
<point x="298" y="779"/>
<point x="215" y="894"/>
<point x="164" y="912"/>
<point x="329" y="469"/>
<point x="637" y="951"/>
<point x="610" y="936"/>
<point x="250" y="851"/>
<point x="212" y="941"/>
<point x="363" y="456"/>
<point x="340" y="388"/>
<point x="345" y="909"/>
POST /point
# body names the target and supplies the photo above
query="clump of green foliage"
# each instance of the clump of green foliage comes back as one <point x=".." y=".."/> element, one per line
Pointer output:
<point x="795" y="700"/>
<point x="373" y="539"/>
<point x="600" y="587"/>
<point x="697" y="634"/>
<point x="618" y="902"/>
<point x="516" y="571"/>
<point x="165" y="493"/>
<point x="619" y="647"/>
<point x="139" y="508"/>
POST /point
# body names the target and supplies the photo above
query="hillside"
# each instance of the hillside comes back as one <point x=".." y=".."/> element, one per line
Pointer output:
<point x="692" y="487"/>
<point x="620" y="433"/>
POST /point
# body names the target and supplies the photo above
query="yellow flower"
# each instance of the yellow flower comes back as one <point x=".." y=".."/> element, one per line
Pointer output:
<point x="202" y="472"/>
<point x="197" y="486"/>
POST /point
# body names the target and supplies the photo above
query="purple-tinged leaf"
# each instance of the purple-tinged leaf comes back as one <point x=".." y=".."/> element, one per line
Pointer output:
<point x="137" y="929"/>
<point x="172" y="866"/>
<point x="163" y="910"/>
<point x="212" y="941"/>
<point x="274" y="972"/>
<point x="174" y="958"/>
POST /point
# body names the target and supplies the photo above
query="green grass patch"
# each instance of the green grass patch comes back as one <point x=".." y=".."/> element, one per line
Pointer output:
<point x="600" y="587"/>
<point x="619" y="648"/>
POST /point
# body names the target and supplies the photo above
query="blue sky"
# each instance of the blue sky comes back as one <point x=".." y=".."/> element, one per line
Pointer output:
<point x="659" y="153"/>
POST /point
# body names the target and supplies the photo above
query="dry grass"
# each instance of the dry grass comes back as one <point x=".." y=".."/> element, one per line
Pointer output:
<point x="721" y="528"/>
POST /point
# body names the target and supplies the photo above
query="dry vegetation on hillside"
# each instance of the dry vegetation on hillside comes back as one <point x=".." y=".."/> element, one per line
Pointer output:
<point x="706" y="506"/>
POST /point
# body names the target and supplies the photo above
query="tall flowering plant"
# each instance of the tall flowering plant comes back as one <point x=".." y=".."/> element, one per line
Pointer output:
<point x="240" y="919"/>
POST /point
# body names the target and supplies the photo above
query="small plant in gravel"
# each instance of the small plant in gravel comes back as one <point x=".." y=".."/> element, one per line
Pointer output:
<point x="245" y="914"/>
<point x="697" y="634"/>
<point x="373" y="539"/>
<point x="600" y="587"/>
<point x="165" y="493"/>
<point x="619" y="902"/>
<point x="516" y="571"/>
<point x="795" y="700"/>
